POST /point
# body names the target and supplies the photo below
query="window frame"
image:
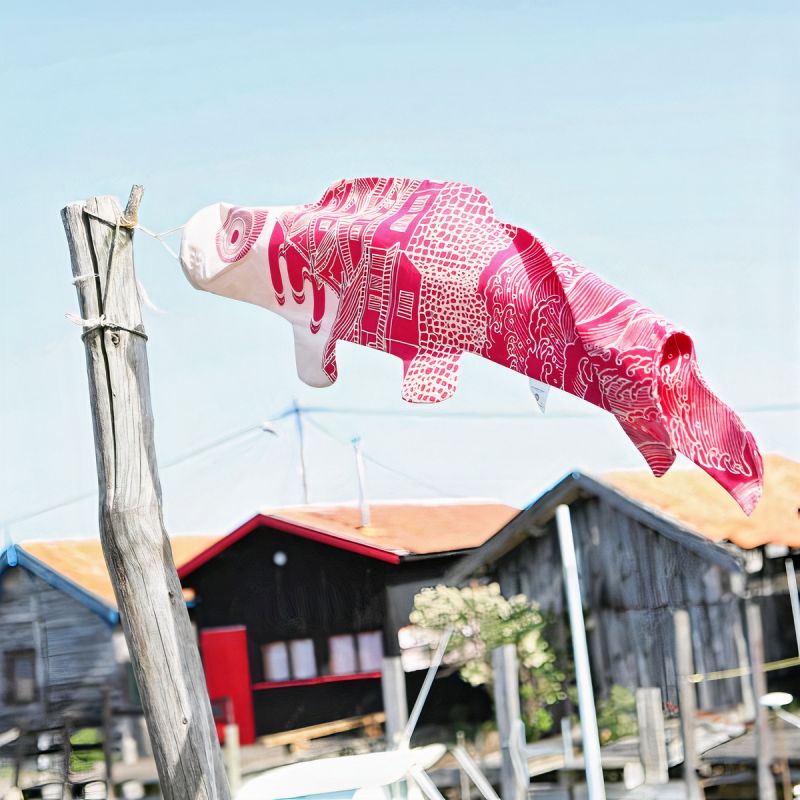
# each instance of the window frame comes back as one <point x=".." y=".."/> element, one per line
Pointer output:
<point x="10" y="659"/>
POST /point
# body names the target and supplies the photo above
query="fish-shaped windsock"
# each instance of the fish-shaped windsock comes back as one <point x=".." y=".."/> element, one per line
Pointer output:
<point x="424" y="270"/>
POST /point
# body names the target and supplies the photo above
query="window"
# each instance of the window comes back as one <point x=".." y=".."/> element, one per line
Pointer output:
<point x="21" y="676"/>
<point x="342" y="654"/>
<point x="304" y="662"/>
<point x="370" y="651"/>
<point x="293" y="660"/>
<point x="276" y="661"/>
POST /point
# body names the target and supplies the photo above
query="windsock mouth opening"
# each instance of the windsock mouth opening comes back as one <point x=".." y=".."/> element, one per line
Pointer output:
<point x="675" y="346"/>
<point x="198" y="254"/>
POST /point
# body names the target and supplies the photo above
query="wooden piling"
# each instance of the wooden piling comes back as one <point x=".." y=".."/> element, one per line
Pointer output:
<point x="764" y="744"/>
<point x="505" y="667"/>
<point x="164" y="656"/>
<point x="687" y="699"/>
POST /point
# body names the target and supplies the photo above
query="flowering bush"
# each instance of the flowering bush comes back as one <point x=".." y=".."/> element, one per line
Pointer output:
<point x="483" y="619"/>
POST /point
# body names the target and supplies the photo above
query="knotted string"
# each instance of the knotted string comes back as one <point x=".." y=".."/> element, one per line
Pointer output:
<point x="97" y="323"/>
<point x="159" y="237"/>
<point x="94" y="323"/>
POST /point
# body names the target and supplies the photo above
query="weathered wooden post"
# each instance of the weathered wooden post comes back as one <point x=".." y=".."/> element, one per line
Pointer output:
<point x="232" y="757"/>
<point x="165" y="659"/>
<point x="513" y="785"/>
<point x="395" y="704"/>
<point x="764" y="744"/>
<point x="687" y="700"/>
<point x="652" y="735"/>
<point x="108" y="727"/>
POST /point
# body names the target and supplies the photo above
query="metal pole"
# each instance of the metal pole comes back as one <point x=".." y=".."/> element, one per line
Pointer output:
<point x="298" y="416"/>
<point x="362" y="491"/>
<point x="791" y="577"/>
<point x="583" y="675"/>
<point x="436" y="662"/>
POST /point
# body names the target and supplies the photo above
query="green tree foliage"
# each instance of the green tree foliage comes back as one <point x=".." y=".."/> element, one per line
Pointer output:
<point x="482" y="620"/>
<point x="83" y="760"/>
<point x="616" y="714"/>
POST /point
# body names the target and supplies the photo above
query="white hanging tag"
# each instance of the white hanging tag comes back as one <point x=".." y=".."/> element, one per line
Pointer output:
<point x="539" y="391"/>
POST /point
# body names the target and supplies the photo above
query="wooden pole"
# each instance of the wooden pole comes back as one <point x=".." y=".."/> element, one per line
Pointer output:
<point x="395" y="702"/>
<point x="763" y="735"/>
<point x="108" y="732"/>
<point x="233" y="757"/>
<point x="652" y="736"/>
<point x="164" y="657"/>
<point x="66" y="788"/>
<point x="687" y="702"/>
<point x="506" y="702"/>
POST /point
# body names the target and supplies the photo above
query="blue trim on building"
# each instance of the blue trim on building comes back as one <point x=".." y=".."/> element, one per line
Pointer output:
<point x="14" y="556"/>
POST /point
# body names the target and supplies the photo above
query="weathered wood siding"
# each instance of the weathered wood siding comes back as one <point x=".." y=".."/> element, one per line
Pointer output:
<point x="631" y="579"/>
<point x="74" y="654"/>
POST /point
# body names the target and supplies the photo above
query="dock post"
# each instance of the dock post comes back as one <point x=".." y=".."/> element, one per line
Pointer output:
<point x="687" y="702"/>
<point x="506" y="701"/>
<point x="764" y="745"/>
<point x="395" y="702"/>
<point x="652" y="736"/>
<point x="233" y="757"/>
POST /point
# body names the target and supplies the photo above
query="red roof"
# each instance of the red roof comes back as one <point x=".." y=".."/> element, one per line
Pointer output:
<point x="693" y="499"/>
<point x="396" y="530"/>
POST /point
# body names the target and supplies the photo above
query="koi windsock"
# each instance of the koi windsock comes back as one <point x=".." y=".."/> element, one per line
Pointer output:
<point x="425" y="271"/>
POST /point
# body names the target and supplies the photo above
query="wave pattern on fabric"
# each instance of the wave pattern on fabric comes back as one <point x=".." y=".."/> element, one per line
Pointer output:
<point x="425" y="271"/>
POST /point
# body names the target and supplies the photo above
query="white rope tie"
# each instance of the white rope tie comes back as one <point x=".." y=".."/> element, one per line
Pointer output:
<point x="91" y="324"/>
<point x="94" y="323"/>
<point x="159" y="237"/>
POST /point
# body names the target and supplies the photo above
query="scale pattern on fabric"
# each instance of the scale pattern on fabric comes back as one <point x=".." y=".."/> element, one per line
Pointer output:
<point x="425" y="271"/>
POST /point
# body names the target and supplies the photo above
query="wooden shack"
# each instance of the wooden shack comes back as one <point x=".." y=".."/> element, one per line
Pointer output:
<point x="645" y="547"/>
<point x="62" y="651"/>
<point x="56" y="646"/>
<point x="298" y="610"/>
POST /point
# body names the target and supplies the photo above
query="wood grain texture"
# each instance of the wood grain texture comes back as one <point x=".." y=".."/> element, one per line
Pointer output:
<point x="688" y="702"/>
<point x="632" y="577"/>
<point x="165" y="659"/>
<point x="74" y="656"/>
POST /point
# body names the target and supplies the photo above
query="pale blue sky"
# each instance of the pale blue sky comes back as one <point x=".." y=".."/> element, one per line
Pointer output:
<point x="656" y="143"/>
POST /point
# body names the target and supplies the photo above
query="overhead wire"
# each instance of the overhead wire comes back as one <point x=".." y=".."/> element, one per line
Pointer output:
<point x="181" y="459"/>
<point x="364" y="412"/>
<point x="373" y="460"/>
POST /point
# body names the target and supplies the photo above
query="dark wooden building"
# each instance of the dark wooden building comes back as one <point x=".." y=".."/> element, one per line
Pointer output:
<point x="646" y="547"/>
<point x="62" y="650"/>
<point x="57" y="654"/>
<point x="298" y="612"/>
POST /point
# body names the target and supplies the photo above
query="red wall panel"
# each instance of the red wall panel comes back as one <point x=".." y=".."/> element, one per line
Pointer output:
<point x="227" y="670"/>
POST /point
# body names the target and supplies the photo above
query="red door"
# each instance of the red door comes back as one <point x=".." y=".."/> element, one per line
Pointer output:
<point x="227" y="669"/>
